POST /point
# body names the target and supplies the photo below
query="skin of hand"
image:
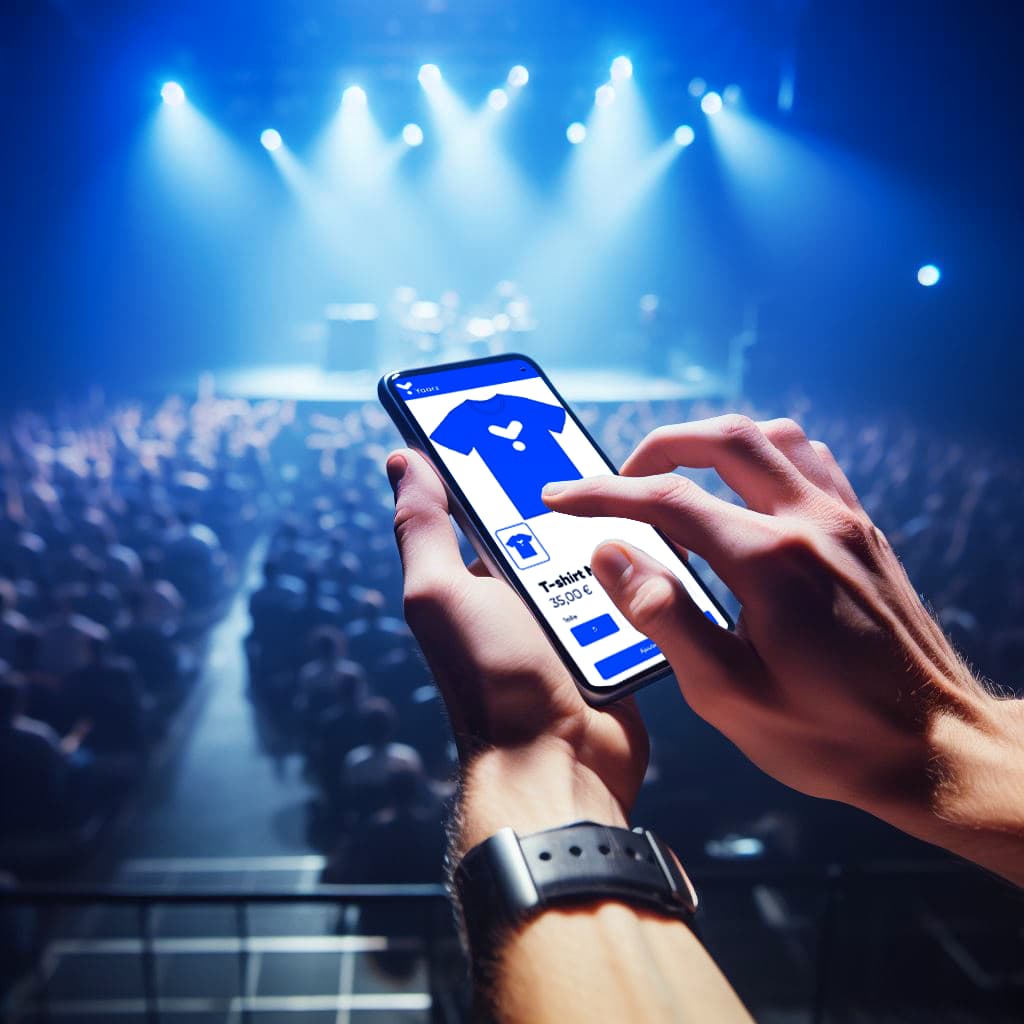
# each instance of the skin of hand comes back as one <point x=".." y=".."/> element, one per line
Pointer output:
<point x="837" y="681"/>
<point x="519" y="721"/>
<point x="536" y="756"/>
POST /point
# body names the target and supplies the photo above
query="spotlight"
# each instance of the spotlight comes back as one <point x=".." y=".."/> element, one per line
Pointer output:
<point x="576" y="132"/>
<point x="355" y="95"/>
<point x="497" y="99"/>
<point x="173" y="94"/>
<point x="605" y="95"/>
<point x="518" y="76"/>
<point x="711" y="103"/>
<point x="270" y="138"/>
<point x="731" y="95"/>
<point x="928" y="275"/>
<point x="683" y="135"/>
<point x="622" y="68"/>
<point x="412" y="135"/>
<point x="697" y="87"/>
<point x="430" y="74"/>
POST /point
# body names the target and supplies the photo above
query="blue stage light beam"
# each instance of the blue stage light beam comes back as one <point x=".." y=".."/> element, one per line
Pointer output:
<point x="186" y="152"/>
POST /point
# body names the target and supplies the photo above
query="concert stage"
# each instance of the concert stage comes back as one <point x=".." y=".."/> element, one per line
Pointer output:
<point x="306" y="382"/>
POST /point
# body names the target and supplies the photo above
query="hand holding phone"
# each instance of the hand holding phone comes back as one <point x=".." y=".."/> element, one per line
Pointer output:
<point x="497" y="432"/>
<point x="540" y="756"/>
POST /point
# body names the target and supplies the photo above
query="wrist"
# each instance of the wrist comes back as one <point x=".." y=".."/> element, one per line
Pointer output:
<point x="530" y="788"/>
<point x="971" y="805"/>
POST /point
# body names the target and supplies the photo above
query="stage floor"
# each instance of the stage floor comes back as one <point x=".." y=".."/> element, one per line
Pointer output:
<point x="310" y="383"/>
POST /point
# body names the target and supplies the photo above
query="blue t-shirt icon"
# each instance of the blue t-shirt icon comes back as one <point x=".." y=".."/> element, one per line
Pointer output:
<point x="523" y="543"/>
<point x="513" y="436"/>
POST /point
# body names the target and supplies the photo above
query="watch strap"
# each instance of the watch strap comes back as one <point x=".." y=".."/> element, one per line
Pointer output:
<point x="508" y="878"/>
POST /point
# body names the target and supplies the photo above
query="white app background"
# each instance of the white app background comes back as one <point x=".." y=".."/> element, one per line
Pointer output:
<point x="568" y="541"/>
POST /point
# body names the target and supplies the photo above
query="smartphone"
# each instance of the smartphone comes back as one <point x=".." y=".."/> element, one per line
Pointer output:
<point x="497" y="431"/>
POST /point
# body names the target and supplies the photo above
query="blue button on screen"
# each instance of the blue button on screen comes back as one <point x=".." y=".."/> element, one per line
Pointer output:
<point x="596" y="629"/>
<point x="635" y="655"/>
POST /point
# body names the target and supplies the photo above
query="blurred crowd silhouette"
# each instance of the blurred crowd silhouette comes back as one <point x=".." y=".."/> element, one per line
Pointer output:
<point x="125" y="530"/>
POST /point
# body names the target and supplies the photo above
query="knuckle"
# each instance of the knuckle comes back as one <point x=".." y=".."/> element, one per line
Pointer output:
<point x="423" y="603"/>
<point x="653" y="604"/>
<point x="786" y="430"/>
<point x="823" y="451"/>
<point x="671" y="489"/>
<point x="739" y="430"/>
<point x="788" y="554"/>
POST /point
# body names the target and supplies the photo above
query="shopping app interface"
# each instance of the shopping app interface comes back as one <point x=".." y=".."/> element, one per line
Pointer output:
<point x="503" y="435"/>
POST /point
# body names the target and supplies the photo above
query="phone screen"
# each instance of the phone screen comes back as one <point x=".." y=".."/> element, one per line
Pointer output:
<point x="502" y="433"/>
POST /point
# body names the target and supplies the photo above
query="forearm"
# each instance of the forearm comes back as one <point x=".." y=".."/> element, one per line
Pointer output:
<point x="973" y="803"/>
<point x="605" y="961"/>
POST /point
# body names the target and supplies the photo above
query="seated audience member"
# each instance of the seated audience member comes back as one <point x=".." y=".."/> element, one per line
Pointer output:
<point x="149" y="646"/>
<point x="94" y="597"/>
<point x="404" y="840"/>
<point x="318" y="609"/>
<point x="31" y="757"/>
<point x="336" y="730"/>
<point x="374" y="633"/>
<point x="162" y="603"/>
<point x="64" y="640"/>
<point x="273" y="608"/>
<point x="367" y="770"/>
<point x="12" y="623"/>
<point x="195" y="562"/>
<point x="107" y="692"/>
<point x="321" y="679"/>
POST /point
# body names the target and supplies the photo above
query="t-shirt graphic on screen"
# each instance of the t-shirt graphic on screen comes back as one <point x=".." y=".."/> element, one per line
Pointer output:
<point x="523" y="543"/>
<point x="514" y="437"/>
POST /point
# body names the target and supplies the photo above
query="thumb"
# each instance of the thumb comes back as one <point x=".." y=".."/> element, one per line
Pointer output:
<point x="709" y="662"/>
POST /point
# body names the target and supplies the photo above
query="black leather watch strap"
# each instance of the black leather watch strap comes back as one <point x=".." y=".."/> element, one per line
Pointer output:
<point x="509" y="878"/>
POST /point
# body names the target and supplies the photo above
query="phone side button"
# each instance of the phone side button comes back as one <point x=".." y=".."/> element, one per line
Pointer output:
<point x="594" y="629"/>
<point x="635" y="655"/>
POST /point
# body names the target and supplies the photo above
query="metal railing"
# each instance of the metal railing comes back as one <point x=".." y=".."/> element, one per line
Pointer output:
<point x="428" y="921"/>
<point x="839" y="893"/>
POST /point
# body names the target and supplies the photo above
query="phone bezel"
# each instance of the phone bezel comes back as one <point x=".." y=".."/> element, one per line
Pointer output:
<point x="480" y="536"/>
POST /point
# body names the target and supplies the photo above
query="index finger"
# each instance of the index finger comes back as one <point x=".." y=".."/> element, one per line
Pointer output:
<point x="426" y="539"/>
<point x="736" y="447"/>
<point x="723" y="534"/>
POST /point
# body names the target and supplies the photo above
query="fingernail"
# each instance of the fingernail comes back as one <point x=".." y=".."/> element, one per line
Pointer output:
<point x="550" y="490"/>
<point x="396" y="467"/>
<point x="612" y="561"/>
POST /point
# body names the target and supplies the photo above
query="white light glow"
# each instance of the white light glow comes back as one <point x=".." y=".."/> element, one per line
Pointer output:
<point x="731" y="95"/>
<point x="270" y="139"/>
<point x="928" y="275"/>
<point x="605" y="95"/>
<point x="683" y="135"/>
<point x="497" y="99"/>
<point x="518" y="76"/>
<point x="711" y="103"/>
<point x="172" y="94"/>
<point x="412" y="135"/>
<point x="430" y="74"/>
<point x="576" y="132"/>
<point x="354" y="95"/>
<point x="697" y="87"/>
<point x="622" y="68"/>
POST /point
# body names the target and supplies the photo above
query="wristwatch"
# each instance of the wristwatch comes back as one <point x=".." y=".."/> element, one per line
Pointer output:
<point x="508" y="878"/>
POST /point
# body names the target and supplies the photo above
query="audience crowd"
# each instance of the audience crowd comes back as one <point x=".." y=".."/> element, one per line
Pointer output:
<point x="123" y="531"/>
